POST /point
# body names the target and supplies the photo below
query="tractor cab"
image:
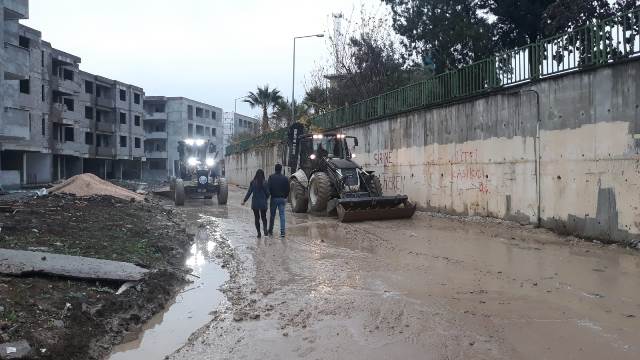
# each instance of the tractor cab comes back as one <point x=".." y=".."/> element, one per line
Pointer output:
<point x="315" y="148"/>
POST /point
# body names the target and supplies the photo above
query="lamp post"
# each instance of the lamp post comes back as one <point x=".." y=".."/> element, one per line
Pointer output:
<point x="293" y="76"/>
<point x="235" y="105"/>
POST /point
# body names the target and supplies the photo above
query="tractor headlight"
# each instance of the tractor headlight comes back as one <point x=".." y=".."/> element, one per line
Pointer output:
<point x="353" y="156"/>
<point x="192" y="161"/>
<point x="190" y="142"/>
<point x="210" y="162"/>
<point x="312" y="156"/>
<point x="199" y="142"/>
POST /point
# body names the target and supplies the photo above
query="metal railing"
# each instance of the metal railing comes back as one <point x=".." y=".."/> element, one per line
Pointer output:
<point x="597" y="44"/>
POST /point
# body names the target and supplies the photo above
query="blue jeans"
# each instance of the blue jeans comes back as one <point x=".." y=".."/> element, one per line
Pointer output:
<point x="280" y="204"/>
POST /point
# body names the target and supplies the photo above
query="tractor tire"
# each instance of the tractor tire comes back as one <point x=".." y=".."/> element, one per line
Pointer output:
<point x="376" y="186"/>
<point x="223" y="191"/>
<point x="319" y="191"/>
<point x="172" y="183"/>
<point x="298" y="197"/>
<point x="178" y="194"/>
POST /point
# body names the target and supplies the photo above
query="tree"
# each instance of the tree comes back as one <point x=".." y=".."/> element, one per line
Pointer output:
<point x="281" y="116"/>
<point x="317" y="99"/>
<point x="264" y="99"/>
<point x="445" y="33"/>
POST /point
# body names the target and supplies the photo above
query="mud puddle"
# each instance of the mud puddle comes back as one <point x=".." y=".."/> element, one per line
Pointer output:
<point x="191" y="309"/>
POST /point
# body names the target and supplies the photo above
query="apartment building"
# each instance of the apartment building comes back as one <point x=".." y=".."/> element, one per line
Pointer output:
<point x="235" y="124"/>
<point x="57" y="121"/>
<point x="171" y="119"/>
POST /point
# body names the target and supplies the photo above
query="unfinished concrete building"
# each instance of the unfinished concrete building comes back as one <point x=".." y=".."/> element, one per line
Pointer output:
<point x="171" y="119"/>
<point x="51" y="120"/>
<point x="235" y="124"/>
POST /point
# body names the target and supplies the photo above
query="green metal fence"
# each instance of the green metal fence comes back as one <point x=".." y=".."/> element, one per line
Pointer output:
<point x="596" y="44"/>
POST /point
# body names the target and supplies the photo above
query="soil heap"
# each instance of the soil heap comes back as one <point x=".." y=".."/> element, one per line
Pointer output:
<point x="89" y="185"/>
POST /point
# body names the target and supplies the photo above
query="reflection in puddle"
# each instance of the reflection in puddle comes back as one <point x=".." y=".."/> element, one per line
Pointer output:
<point x="169" y="330"/>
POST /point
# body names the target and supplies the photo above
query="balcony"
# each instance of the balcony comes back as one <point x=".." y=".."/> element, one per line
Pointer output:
<point x="66" y="86"/>
<point x="156" y="154"/>
<point x="158" y="135"/>
<point x="59" y="114"/>
<point x="16" y="62"/>
<point x="15" y="124"/>
<point x="105" y="152"/>
<point x="105" y="126"/>
<point x="155" y="115"/>
<point x="105" y="102"/>
<point x="16" y="9"/>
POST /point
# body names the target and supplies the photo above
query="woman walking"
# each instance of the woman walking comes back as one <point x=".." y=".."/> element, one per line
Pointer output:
<point x="260" y="192"/>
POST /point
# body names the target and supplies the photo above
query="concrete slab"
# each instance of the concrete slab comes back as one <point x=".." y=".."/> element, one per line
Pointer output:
<point x="18" y="262"/>
<point x="15" y="350"/>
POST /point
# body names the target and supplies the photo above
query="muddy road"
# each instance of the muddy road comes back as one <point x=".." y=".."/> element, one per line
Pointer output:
<point x="426" y="288"/>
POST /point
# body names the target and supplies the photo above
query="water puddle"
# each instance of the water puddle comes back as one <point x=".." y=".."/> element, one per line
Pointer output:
<point x="170" y="329"/>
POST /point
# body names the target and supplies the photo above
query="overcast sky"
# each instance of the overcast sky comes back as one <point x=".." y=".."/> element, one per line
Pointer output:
<point x="208" y="50"/>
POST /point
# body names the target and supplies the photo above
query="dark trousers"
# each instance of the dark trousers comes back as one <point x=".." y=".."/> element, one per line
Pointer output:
<point x="279" y="204"/>
<point x="260" y="213"/>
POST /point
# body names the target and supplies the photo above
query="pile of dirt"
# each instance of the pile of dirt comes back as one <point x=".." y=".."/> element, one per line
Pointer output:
<point x="81" y="319"/>
<point x="89" y="185"/>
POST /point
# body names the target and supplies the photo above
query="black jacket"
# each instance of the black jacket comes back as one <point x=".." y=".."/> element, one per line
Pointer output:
<point x="278" y="186"/>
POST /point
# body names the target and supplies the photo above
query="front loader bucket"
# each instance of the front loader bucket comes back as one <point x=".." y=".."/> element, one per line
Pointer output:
<point x="375" y="208"/>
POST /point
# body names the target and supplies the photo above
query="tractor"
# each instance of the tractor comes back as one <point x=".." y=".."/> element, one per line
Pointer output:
<point x="198" y="172"/>
<point x="326" y="179"/>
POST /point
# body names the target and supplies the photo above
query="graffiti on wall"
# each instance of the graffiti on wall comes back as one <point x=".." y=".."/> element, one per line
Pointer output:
<point x="383" y="158"/>
<point x="467" y="172"/>
<point x="393" y="183"/>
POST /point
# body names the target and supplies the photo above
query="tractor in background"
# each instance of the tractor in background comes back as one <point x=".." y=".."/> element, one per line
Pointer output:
<point x="199" y="173"/>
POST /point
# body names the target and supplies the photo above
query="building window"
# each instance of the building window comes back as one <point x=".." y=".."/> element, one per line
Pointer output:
<point x="213" y="131"/>
<point x="88" y="112"/>
<point x="136" y="98"/>
<point x="136" y="120"/>
<point x="88" y="87"/>
<point x="44" y="126"/>
<point x="206" y="113"/>
<point x="199" y="130"/>
<point x="123" y="141"/>
<point x="68" y="102"/>
<point x="123" y="95"/>
<point x="67" y="74"/>
<point x="43" y="96"/>
<point x="98" y="91"/>
<point x="123" y="118"/>
<point x="42" y="58"/>
<point x="24" y="42"/>
<point x="98" y="115"/>
<point x="25" y="86"/>
<point x="213" y="115"/>
<point x="190" y="130"/>
<point x="68" y="133"/>
<point x="189" y="112"/>
<point x="88" y="138"/>
<point x="199" y="112"/>
<point x="157" y="164"/>
<point x="137" y="142"/>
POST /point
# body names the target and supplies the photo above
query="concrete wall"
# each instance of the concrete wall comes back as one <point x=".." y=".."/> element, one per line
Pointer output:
<point x="478" y="157"/>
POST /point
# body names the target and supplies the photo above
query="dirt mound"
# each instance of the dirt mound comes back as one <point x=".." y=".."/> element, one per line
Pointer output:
<point x="89" y="184"/>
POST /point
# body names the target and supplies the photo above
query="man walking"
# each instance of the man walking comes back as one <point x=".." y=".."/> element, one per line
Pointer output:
<point x="279" y="190"/>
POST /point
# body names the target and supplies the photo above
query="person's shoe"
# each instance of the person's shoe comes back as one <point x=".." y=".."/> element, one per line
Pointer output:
<point x="281" y="235"/>
<point x="270" y="233"/>
<point x="259" y="235"/>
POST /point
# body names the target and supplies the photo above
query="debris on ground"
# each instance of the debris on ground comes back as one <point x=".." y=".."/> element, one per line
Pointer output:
<point x="18" y="262"/>
<point x="89" y="184"/>
<point x="82" y="318"/>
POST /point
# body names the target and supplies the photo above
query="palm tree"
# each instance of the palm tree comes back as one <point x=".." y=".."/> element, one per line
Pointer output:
<point x="264" y="99"/>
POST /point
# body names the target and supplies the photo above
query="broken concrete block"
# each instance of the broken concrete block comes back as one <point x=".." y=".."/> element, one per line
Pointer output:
<point x="15" y="350"/>
<point x="17" y="262"/>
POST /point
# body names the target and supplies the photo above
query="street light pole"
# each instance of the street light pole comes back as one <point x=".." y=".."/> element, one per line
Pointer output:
<point x="293" y="76"/>
<point x="235" y="104"/>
